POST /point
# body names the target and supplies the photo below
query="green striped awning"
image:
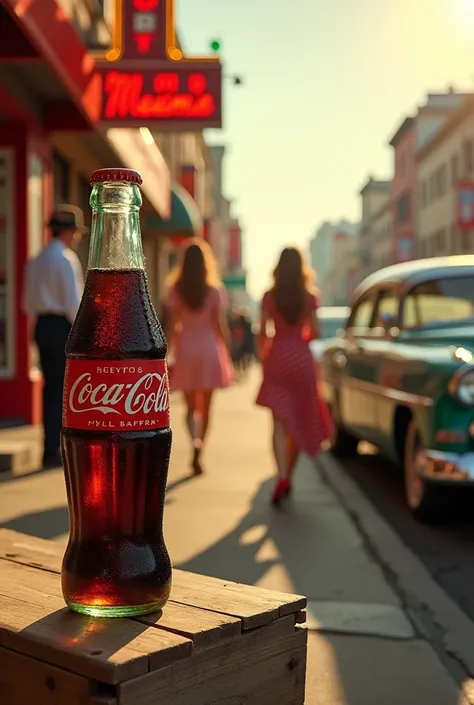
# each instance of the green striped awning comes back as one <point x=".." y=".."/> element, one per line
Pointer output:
<point x="185" y="220"/>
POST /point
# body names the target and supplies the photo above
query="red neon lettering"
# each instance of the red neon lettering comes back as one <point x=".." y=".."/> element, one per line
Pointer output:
<point x="145" y="5"/>
<point x="197" y="84"/>
<point x="166" y="83"/>
<point x="123" y="91"/>
<point x="144" y="42"/>
<point x="124" y="98"/>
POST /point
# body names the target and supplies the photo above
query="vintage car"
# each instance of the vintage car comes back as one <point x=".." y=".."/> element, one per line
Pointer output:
<point x="401" y="376"/>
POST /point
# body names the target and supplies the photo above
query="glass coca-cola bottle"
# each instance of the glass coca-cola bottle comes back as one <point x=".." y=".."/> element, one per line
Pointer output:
<point x="116" y="439"/>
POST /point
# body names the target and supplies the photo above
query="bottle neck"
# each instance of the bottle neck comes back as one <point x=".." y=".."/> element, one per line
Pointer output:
<point x="116" y="241"/>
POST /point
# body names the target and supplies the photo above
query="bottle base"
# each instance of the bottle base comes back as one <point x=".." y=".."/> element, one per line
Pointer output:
<point x="116" y="611"/>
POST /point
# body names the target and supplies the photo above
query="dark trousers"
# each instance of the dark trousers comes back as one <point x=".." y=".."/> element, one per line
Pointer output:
<point x="51" y="335"/>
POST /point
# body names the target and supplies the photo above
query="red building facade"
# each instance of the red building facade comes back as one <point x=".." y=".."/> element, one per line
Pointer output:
<point x="44" y="71"/>
<point x="49" y="143"/>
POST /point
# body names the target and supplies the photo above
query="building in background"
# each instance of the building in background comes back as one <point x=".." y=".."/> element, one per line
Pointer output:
<point x="374" y="198"/>
<point x="412" y="136"/>
<point x="381" y="229"/>
<point x="403" y="192"/>
<point x="227" y="237"/>
<point x="445" y="184"/>
<point x="322" y="249"/>
<point x="341" y="279"/>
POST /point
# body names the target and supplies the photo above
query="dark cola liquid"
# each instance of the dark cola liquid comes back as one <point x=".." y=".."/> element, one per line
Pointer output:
<point x="116" y="561"/>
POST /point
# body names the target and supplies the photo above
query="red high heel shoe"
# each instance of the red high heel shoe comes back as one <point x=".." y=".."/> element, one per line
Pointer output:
<point x="281" y="491"/>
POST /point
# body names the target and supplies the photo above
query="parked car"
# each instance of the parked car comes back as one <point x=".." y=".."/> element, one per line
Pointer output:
<point x="401" y="376"/>
<point x="331" y="320"/>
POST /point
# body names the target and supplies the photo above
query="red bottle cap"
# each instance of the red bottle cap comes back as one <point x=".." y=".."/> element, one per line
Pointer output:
<point x="130" y="175"/>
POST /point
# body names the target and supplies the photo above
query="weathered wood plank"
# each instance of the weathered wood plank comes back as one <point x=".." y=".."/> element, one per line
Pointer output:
<point x="263" y="667"/>
<point x="206" y="629"/>
<point x="28" y="681"/>
<point x="254" y="606"/>
<point x="34" y="620"/>
<point x="30" y="550"/>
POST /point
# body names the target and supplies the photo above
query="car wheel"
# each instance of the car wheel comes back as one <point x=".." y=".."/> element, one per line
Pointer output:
<point x="343" y="443"/>
<point x="429" y="503"/>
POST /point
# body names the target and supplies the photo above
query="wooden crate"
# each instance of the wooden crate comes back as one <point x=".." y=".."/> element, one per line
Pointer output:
<point x="215" y="642"/>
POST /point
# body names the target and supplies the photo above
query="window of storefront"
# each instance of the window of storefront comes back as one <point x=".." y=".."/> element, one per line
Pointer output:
<point x="7" y="353"/>
<point x="61" y="175"/>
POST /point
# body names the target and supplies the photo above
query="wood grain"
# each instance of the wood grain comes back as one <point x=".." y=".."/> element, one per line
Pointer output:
<point x="216" y="642"/>
<point x="204" y="628"/>
<point x="264" y="667"/>
<point x="254" y="606"/>
<point x="34" y="621"/>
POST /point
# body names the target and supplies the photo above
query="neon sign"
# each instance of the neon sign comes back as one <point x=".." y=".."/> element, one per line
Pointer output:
<point x="146" y="29"/>
<point x="174" y="95"/>
<point x="147" y="79"/>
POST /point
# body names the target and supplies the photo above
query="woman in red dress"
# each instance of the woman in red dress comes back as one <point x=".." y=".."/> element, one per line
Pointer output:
<point x="290" y="378"/>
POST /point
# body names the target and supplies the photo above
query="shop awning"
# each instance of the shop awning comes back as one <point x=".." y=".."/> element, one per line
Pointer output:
<point x="235" y="281"/>
<point x="185" y="220"/>
<point x="53" y="37"/>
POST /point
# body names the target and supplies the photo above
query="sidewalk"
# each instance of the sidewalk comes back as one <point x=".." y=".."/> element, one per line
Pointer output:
<point x="364" y="648"/>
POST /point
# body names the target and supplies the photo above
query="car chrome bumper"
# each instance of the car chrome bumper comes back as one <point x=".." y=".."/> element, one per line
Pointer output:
<point x="437" y="466"/>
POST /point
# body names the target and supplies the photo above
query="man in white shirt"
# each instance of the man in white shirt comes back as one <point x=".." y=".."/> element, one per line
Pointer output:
<point x="54" y="284"/>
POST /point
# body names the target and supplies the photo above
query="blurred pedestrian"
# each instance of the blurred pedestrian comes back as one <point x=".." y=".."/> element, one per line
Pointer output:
<point x="290" y="381"/>
<point x="237" y="338"/>
<point x="249" y="338"/>
<point x="198" y="338"/>
<point x="54" y="283"/>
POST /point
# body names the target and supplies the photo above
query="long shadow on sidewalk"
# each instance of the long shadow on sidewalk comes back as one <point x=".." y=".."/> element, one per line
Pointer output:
<point x="354" y="670"/>
<point x="54" y="522"/>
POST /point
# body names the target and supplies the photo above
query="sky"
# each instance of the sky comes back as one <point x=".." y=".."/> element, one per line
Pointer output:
<point x="326" y="83"/>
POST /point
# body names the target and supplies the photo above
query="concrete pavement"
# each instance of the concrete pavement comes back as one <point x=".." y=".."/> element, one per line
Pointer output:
<point x="365" y="646"/>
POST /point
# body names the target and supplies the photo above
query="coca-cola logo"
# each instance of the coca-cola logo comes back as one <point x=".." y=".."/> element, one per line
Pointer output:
<point x="116" y="396"/>
<point x="148" y="394"/>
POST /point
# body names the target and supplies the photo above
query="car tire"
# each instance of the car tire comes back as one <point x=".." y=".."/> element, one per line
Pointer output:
<point x="343" y="443"/>
<point x="429" y="503"/>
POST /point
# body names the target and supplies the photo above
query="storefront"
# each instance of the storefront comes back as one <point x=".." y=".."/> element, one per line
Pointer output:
<point x="50" y="142"/>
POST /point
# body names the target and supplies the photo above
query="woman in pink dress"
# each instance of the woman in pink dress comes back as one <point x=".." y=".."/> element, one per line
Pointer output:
<point x="198" y="337"/>
<point x="290" y="381"/>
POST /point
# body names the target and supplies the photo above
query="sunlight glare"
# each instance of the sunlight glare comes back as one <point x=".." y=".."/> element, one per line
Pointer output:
<point x="465" y="10"/>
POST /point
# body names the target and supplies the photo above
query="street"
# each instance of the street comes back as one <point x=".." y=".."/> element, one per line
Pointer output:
<point x="446" y="550"/>
<point x="221" y="524"/>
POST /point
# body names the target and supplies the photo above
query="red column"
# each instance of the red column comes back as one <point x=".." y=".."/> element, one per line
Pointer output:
<point x="20" y="396"/>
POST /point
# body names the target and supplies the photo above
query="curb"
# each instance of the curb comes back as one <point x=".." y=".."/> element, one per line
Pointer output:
<point x="441" y="622"/>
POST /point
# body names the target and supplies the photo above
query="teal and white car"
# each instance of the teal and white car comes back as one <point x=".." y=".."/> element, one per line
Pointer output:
<point x="401" y="376"/>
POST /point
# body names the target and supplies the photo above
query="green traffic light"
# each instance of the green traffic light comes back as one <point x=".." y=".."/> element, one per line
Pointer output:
<point x="215" y="45"/>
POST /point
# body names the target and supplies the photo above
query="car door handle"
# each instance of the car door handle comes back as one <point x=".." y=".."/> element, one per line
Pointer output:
<point x="340" y="360"/>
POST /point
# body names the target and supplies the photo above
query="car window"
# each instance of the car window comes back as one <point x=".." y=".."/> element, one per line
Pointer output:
<point x="386" y="315"/>
<point x="449" y="300"/>
<point x="361" y="316"/>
